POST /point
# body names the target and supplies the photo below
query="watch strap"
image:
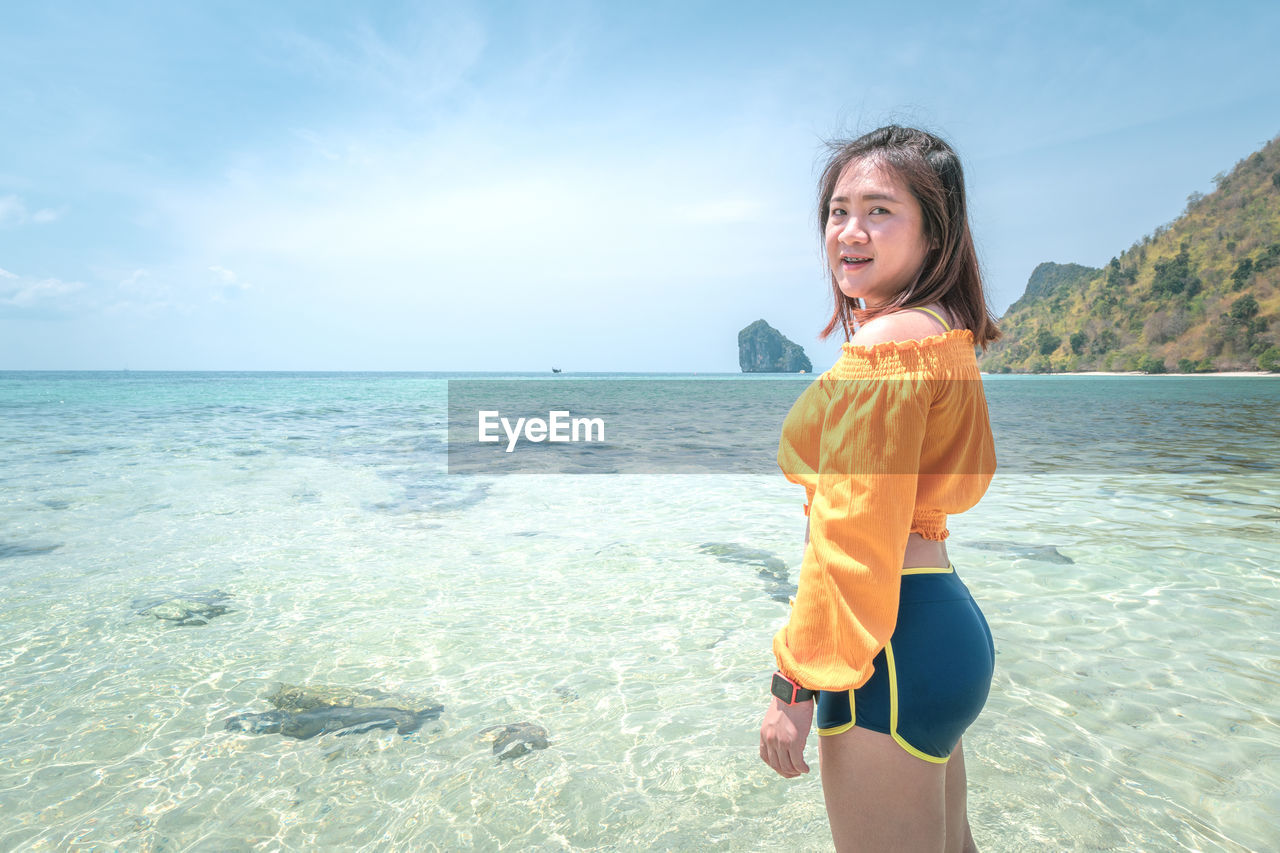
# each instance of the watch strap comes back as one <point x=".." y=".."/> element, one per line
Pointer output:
<point x="788" y="691"/>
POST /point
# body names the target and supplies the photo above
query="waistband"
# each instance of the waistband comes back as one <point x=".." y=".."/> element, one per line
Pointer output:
<point x="930" y="570"/>
<point x="931" y="583"/>
<point x="927" y="583"/>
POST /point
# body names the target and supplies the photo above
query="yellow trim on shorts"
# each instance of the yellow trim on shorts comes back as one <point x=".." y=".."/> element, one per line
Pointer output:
<point x="893" y="712"/>
<point x="843" y="727"/>
<point x="836" y="730"/>
<point x="929" y="570"/>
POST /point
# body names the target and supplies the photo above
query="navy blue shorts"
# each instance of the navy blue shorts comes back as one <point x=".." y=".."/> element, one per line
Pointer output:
<point x="931" y="680"/>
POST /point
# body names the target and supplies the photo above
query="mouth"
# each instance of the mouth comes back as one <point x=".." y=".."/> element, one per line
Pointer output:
<point x="854" y="260"/>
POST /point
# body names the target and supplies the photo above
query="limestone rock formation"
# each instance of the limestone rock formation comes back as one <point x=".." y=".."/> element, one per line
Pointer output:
<point x="763" y="349"/>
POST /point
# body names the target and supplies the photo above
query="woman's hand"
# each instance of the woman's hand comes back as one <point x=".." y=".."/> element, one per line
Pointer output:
<point x="783" y="735"/>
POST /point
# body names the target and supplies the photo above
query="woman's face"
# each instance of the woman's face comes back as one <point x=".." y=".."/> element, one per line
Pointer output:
<point x="875" y="233"/>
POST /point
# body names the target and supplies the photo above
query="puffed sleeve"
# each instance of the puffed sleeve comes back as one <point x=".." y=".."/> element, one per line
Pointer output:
<point x="798" y="448"/>
<point x="859" y="520"/>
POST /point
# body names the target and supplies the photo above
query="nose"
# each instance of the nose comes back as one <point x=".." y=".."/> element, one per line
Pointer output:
<point x="852" y="232"/>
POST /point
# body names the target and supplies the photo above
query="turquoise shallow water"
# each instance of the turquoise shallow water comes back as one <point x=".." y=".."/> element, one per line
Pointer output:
<point x="1133" y="608"/>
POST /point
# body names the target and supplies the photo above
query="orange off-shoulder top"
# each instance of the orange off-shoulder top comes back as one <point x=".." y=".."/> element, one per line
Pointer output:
<point x="888" y="442"/>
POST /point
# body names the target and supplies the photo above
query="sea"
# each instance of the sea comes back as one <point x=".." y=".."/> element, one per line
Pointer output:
<point x="593" y="643"/>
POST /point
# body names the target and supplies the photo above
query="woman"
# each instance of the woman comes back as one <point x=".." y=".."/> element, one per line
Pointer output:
<point x="883" y="637"/>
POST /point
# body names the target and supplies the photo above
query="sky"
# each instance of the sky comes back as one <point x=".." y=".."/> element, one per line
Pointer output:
<point x="512" y="186"/>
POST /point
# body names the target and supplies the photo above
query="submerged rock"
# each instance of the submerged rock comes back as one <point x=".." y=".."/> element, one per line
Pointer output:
<point x="340" y="721"/>
<point x="195" y="609"/>
<point x="771" y="569"/>
<point x="516" y="739"/>
<point x="307" y="697"/>
<point x="25" y="549"/>
<point x="566" y="694"/>
<point x="1043" y="553"/>
<point x="306" y="710"/>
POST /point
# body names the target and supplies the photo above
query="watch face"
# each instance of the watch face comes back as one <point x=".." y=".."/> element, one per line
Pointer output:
<point x="782" y="689"/>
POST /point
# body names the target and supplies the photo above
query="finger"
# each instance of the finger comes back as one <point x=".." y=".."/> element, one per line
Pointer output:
<point x="781" y="761"/>
<point x="790" y="758"/>
<point x="769" y="752"/>
<point x="770" y="756"/>
<point x="797" y="758"/>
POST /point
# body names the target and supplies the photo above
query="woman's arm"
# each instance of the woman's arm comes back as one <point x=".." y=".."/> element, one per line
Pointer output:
<point x="859" y="521"/>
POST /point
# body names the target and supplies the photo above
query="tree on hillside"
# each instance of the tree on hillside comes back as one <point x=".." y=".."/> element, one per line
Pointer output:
<point x="1241" y="323"/>
<point x="1267" y="258"/>
<point x="1243" y="309"/>
<point x="1244" y="269"/>
<point x="1104" y="342"/>
<point x="1047" y="341"/>
<point x="1174" y="276"/>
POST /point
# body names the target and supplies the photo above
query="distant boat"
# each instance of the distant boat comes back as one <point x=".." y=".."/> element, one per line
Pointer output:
<point x="555" y="370"/>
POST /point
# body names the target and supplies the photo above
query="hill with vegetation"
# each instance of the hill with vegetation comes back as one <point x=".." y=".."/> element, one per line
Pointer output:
<point x="1200" y="294"/>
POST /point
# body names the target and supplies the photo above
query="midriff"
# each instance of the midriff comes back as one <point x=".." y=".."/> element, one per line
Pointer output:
<point x="920" y="553"/>
<point x="925" y="553"/>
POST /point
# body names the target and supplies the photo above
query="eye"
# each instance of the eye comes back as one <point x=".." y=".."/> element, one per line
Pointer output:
<point x="876" y="210"/>
<point x="837" y="211"/>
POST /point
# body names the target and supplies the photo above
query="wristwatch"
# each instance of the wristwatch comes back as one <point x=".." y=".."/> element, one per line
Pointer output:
<point x="788" y="691"/>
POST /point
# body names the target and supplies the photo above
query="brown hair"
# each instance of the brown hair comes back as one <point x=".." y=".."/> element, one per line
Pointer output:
<point x="930" y="169"/>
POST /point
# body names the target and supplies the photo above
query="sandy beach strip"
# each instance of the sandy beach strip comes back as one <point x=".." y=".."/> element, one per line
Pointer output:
<point x="1138" y="373"/>
<point x="1141" y="373"/>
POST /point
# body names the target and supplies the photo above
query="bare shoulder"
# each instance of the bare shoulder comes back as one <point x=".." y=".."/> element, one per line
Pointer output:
<point x="899" y="326"/>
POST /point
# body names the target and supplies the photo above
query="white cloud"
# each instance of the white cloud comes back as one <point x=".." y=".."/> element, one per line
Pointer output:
<point x="39" y="296"/>
<point x="227" y="282"/>
<point x="228" y="278"/>
<point x="319" y="144"/>
<point x="422" y="58"/>
<point x="142" y="292"/>
<point x="142" y="287"/>
<point x="13" y="211"/>
<point x="135" y="280"/>
<point x="172" y="289"/>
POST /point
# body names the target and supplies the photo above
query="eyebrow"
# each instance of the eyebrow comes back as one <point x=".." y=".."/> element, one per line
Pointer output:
<point x="867" y="197"/>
